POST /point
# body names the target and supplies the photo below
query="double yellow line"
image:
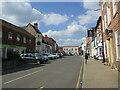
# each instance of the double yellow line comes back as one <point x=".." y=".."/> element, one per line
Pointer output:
<point x="80" y="73"/>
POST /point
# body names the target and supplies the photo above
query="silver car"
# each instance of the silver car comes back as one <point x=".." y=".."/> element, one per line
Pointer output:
<point x="32" y="57"/>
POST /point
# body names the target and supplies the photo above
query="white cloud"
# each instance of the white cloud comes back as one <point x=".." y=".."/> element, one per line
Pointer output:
<point x="91" y="4"/>
<point x="22" y="13"/>
<point x="72" y="30"/>
<point x="89" y="17"/>
<point x="71" y="42"/>
<point x="92" y="14"/>
<point x="54" y="19"/>
<point x="63" y="37"/>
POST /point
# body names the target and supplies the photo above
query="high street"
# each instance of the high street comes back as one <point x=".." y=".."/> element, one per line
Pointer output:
<point x="61" y="73"/>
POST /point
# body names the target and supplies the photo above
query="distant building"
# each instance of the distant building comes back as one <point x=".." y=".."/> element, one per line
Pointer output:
<point x="15" y="39"/>
<point x="53" y="43"/>
<point x="97" y="45"/>
<point x="46" y="46"/>
<point x="60" y="49"/>
<point x="71" y="50"/>
<point x="33" y="29"/>
<point x="83" y="45"/>
<point x="88" y="44"/>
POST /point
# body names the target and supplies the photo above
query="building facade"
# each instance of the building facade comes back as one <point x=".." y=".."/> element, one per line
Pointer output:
<point x="83" y="45"/>
<point x="88" y="45"/>
<point x="111" y="32"/>
<point x="53" y="43"/>
<point x="97" y="42"/>
<point x="46" y="46"/>
<point x="33" y="29"/>
<point x="74" y="50"/>
<point x="15" y="39"/>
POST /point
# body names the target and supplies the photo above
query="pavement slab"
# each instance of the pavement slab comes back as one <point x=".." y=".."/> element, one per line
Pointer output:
<point x="98" y="75"/>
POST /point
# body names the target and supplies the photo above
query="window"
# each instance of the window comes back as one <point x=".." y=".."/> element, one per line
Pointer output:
<point x="18" y="37"/>
<point x="114" y="7"/>
<point x="105" y="23"/>
<point x="108" y="13"/>
<point x="30" y="41"/>
<point x="118" y="44"/>
<point x="10" y="35"/>
<point x="24" y="39"/>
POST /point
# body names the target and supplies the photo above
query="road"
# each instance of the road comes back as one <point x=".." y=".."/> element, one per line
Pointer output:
<point x="61" y="73"/>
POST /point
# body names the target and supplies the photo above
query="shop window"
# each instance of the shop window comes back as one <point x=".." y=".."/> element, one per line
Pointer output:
<point x="118" y="44"/>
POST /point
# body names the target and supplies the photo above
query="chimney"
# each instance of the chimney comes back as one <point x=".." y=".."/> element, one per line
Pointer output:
<point x="36" y="25"/>
<point x="46" y="35"/>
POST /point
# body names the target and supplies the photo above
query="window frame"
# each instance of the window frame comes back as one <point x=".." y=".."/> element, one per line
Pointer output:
<point x="18" y="37"/>
<point x="108" y="14"/>
<point x="24" y="39"/>
<point x="117" y="44"/>
<point x="10" y="35"/>
<point x="115" y="8"/>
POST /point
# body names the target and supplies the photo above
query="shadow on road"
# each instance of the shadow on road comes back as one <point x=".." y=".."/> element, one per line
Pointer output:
<point x="21" y="68"/>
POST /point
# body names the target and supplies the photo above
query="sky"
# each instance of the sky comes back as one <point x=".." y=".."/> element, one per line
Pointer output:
<point x="66" y="22"/>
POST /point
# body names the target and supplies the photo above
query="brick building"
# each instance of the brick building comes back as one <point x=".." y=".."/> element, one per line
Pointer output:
<point x="15" y="39"/>
<point x="53" y="43"/>
<point x="88" y="44"/>
<point x="111" y="32"/>
<point x="60" y="49"/>
<point x="46" y="46"/>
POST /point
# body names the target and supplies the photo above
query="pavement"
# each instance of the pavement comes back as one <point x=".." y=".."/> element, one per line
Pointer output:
<point x="98" y="75"/>
<point x="60" y="73"/>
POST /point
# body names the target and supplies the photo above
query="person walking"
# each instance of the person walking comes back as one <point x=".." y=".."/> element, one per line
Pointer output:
<point x="86" y="58"/>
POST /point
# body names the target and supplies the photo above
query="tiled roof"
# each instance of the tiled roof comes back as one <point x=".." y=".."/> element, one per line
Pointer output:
<point x="37" y="30"/>
<point x="14" y="27"/>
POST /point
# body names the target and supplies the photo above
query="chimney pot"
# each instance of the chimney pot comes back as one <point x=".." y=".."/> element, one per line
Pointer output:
<point x="36" y="25"/>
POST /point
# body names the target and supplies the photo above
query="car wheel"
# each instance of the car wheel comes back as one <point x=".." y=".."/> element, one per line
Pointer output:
<point x="38" y="62"/>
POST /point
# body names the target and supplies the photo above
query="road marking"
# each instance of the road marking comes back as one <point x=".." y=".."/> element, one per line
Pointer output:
<point x="78" y="82"/>
<point x="23" y="76"/>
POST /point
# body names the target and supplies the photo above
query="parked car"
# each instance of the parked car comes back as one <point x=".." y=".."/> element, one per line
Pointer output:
<point x="60" y="54"/>
<point x="50" y="56"/>
<point x="32" y="57"/>
<point x="56" y="55"/>
<point x="45" y="57"/>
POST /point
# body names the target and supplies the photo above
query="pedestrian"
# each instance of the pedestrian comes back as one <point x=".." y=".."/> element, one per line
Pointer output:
<point x="86" y="58"/>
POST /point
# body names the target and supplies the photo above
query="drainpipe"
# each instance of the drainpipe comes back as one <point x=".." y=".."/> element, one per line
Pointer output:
<point x="102" y="44"/>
